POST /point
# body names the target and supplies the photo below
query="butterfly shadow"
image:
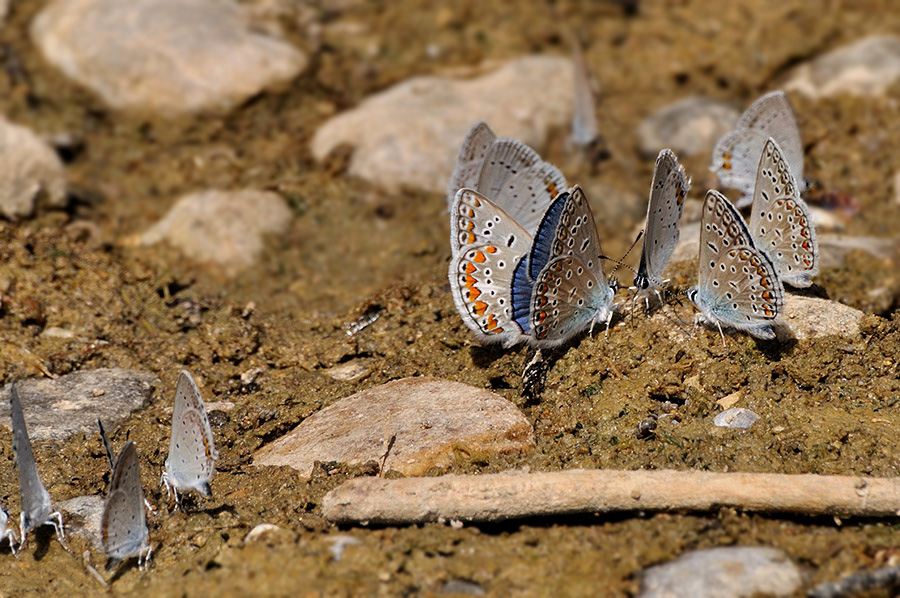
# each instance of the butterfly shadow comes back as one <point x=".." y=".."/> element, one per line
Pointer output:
<point x="781" y="346"/>
<point x="42" y="536"/>
<point x="484" y="356"/>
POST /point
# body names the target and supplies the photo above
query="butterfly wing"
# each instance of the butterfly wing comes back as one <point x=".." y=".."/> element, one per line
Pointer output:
<point x="34" y="499"/>
<point x="571" y="289"/>
<point x="491" y="245"/>
<point x="738" y="285"/>
<point x="736" y="156"/>
<point x="471" y="155"/>
<point x="124" y="525"/>
<point x="780" y="221"/>
<point x="192" y="453"/>
<point x="518" y="181"/>
<point x="669" y="188"/>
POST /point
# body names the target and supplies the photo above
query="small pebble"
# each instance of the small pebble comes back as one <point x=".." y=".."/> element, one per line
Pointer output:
<point x="736" y="418"/>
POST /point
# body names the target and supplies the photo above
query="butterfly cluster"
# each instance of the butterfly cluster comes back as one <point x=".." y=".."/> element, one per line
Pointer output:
<point x="123" y="526"/>
<point x="526" y="262"/>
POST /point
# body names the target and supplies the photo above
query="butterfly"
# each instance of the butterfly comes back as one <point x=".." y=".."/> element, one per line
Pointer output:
<point x="6" y="533"/>
<point x="191" y="463"/>
<point x="738" y="286"/>
<point x="488" y="245"/>
<point x="508" y="172"/>
<point x="34" y="499"/>
<point x="780" y="222"/>
<point x="568" y="287"/>
<point x="667" y="192"/>
<point x="123" y="526"/>
<point x="736" y="156"/>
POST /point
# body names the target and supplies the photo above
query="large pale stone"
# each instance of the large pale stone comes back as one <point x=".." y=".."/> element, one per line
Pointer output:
<point x="731" y="572"/>
<point x="688" y="127"/>
<point x="434" y="422"/>
<point x="867" y="67"/>
<point x="221" y="227"/>
<point x="57" y="409"/>
<point x="30" y="173"/>
<point x="812" y="317"/>
<point x="410" y="134"/>
<point x="168" y="56"/>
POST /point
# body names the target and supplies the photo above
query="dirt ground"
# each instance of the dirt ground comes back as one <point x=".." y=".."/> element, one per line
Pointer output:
<point x="826" y="406"/>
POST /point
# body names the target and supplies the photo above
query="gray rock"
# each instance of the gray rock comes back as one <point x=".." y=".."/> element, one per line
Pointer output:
<point x="225" y="228"/>
<point x="409" y="135"/>
<point x="31" y="174"/>
<point x="812" y="317"/>
<point x="688" y="127"/>
<point x="461" y="587"/>
<point x="866" y="67"/>
<point x="57" y="409"/>
<point x="833" y="249"/>
<point x="731" y="572"/>
<point x="430" y="418"/>
<point x="168" y="56"/>
<point x="736" y="418"/>
<point x="83" y="516"/>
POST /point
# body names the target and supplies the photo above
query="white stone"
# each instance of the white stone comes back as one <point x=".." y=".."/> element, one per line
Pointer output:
<point x="168" y="56"/>
<point x="812" y="317"/>
<point x="409" y="135"/>
<point x="225" y="228"/>
<point x="732" y="572"/>
<point x="866" y="67"/>
<point x="736" y="418"/>
<point x="31" y="174"/>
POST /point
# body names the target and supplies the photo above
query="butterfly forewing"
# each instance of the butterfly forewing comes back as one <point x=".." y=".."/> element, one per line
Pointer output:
<point x="780" y="221"/>
<point x="474" y="149"/>
<point x="124" y="526"/>
<point x="661" y="231"/>
<point x="737" y="284"/>
<point x="34" y="499"/>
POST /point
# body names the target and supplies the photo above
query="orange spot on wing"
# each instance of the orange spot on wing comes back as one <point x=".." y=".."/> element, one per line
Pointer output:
<point x="480" y="307"/>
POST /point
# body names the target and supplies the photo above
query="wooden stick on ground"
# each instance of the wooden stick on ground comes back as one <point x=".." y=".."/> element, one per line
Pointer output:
<point x="498" y="497"/>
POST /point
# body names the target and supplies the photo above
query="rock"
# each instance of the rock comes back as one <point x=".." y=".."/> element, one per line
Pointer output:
<point x="82" y="516"/>
<point x="812" y="317"/>
<point x="833" y="249"/>
<point x="224" y="228"/>
<point x="409" y="135"/>
<point x="866" y="67"/>
<point x="736" y="418"/>
<point x="729" y="400"/>
<point x="4" y="10"/>
<point x="461" y="587"/>
<point x="346" y="372"/>
<point x="434" y="421"/>
<point x="167" y="56"/>
<point x="57" y="409"/>
<point x="262" y="532"/>
<point x="31" y="174"/>
<point x="688" y="127"/>
<point x="730" y="572"/>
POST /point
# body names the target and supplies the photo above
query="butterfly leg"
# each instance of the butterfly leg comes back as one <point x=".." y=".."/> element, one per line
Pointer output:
<point x="22" y="529"/>
<point x="58" y="526"/>
<point x="145" y="555"/>
<point x="722" y="334"/>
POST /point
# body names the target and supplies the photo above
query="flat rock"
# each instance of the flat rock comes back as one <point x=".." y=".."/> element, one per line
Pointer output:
<point x="731" y="572"/>
<point x="812" y="317"/>
<point x="82" y="516"/>
<point x="57" y="409"/>
<point x="736" y="418"/>
<point x="225" y="228"/>
<point x="688" y="127"/>
<point x="866" y="67"/>
<point x="434" y="421"/>
<point x="31" y="174"/>
<point x="409" y="135"/>
<point x="166" y="56"/>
